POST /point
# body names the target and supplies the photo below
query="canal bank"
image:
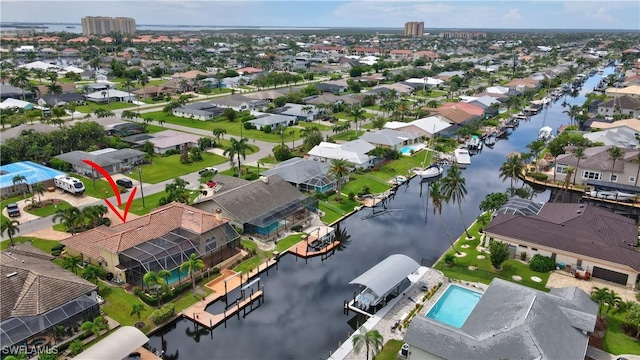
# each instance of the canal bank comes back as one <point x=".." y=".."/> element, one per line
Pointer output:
<point x="302" y="315"/>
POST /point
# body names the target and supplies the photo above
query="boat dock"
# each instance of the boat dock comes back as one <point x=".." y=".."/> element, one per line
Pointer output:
<point x="228" y="281"/>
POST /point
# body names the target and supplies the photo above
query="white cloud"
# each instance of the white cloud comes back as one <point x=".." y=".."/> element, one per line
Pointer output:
<point x="513" y="15"/>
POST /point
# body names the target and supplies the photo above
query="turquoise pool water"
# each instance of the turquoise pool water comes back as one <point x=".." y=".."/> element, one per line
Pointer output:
<point x="454" y="306"/>
<point x="176" y="276"/>
<point x="407" y="149"/>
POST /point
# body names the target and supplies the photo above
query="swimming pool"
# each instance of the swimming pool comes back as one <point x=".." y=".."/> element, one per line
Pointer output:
<point x="454" y="306"/>
<point x="407" y="149"/>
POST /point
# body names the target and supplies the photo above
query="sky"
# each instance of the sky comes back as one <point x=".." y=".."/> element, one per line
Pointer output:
<point x="538" y="14"/>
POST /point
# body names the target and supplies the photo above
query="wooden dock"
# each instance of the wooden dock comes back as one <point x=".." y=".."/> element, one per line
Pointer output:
<point x="301" y="249"/>
<point x="208" y="320"/>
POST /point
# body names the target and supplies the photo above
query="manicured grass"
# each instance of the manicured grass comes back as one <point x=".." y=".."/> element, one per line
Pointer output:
<point x="100" y="190"/>
<point x="348" y="135"/>
<point x="343" y="115"/>
<point x="331" y="213"/>
<point x="432" y="94"/>
<point x="232" y="128"/>
<point x="187" y="298"/>
<point x="42" y="244"/>
<point x="288" y="242"/>
<point x="310" y="124"/>
<point x="118" y="303"/>
<point x="154" y="128"/>
<point x="402" y="165"/>
<point x="151" y="202"/>
<point x="268" y="160"/>
<point x="249" y="264"/>
<point x="224" y="144"/>
<point x="485" y="272"/>
<point x="390" y="350"/>
<point x="49" y="209"/>
<point x="615" y="340"/>
<point x="92" y="107"/>
<point x="169" y="167"/>
<point x="358" y="181"/>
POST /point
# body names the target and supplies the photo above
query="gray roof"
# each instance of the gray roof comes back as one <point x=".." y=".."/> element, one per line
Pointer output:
<point x="103" y="159"/>
<point x="264" y="119"/>
<point x="9" y="91"/>
<point x="118" y="345"/>
<point x="17" y="130"/>
<point x="511" y="321"/>
<point x="597" y="158"/>
<point x="623" y="137"/>
<point x="234" y="100"/>
<point x="257" y="198"/>
<point x="388" y="137"/>
<point x="577" y="228"/>
<point x="387" y="274"/>
<point x="299" y="171"/>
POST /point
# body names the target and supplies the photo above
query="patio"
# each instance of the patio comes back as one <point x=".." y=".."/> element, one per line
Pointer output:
<point x="559" y="279"/>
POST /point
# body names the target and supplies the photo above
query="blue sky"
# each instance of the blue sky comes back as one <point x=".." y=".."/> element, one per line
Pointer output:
<point x="539" y="14"/>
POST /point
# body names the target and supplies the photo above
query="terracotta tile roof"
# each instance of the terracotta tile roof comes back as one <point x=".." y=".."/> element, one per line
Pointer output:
<point x="36" y="285"/>
<point x="468" y="108"/>
<point x="134" y="232"/>
<point x="592" y="232"/>
<point x="456" y="115"/>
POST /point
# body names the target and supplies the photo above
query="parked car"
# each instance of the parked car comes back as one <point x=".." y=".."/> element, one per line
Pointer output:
<point x="126" y="183"/>
<point x="13" y="210"/>
<point x="211" y="183"/>
<point x="208" y="169"/>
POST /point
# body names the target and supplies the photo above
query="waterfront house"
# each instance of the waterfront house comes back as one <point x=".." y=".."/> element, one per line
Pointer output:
<point x="38" y="295"/>
<point x="603" y="125"/>
<point x="578" y="237"/>
<point x="510" y="321"/>
<point x="390" y="138"/>
<point x="633" y="91"/>
<point x="424" y="127"/>
<point x="112" y="160"/>
<point x="306" y="175"/>
<point x="625" y="104"/>
<point x="619" y="136"/>
<point x="598" y="165"/>
<point x="354" y="151"/>
<point x="454" y="115"/>
<point x="162" y="239"/>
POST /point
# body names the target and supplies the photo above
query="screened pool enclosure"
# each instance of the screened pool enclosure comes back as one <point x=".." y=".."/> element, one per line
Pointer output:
<point x="282" y="217"/>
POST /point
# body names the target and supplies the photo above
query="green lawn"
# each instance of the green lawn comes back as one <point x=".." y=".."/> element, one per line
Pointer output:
<point x="92" y="107"/>
<point x="288" y="242"/>
<point x="332" y="213"/>
<point x="42" y="244"/>
<point x="390" y="350"/>
<point x="224" y="144"/>
<point x="170" y="167"/>
<point x="309" y="124"/>
<point x="100" y="189"/>
<point x="150" y="202"/>
<point x="343" y="115"/>
<point x="615" y="340"/>
<point x="154" y="128"/>
<point x="118" y="303"/>
<point x="232" y="128"/>
<point x="49" y="209"/>
<point x="348" y="135"/>
<point x="485" y="272"/>
<point x="402" y="165"/>
<point x="358" y="181"/>
<point x="432" y="94"/>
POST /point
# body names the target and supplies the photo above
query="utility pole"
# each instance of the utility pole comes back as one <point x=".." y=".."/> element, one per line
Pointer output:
<point x="140" y="180"/>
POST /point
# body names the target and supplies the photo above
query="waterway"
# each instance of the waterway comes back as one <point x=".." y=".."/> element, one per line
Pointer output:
<point x="302" y="315"/>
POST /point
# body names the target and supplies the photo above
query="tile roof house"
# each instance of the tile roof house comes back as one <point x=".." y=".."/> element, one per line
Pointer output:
<point x="585" y="237"/>
<point x="306" y="175"/>
<point x="633" y="91"/>
<point x="631" y="123"/>
<point x="454" y="115"/>
<point x="354" y="151"/>
<point x="624" y="104"/>
<point x="190" y="75"/>
<point x="511" y="321"/>
<point x="162" y="239"/>
<point x="40" y="294"/>
<point x="262" y="208"/>
<point x="466" y="107"/>
<point x="67" y="88"/>
<point x="112" y="160"/>
<point x="166" y="140"/>
<point x="390" y="138"/>
<point x="597" y="165"/>
<point x="153" y="91"/>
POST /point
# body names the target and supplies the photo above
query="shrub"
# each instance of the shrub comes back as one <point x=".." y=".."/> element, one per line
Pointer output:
<point x="499" y="253"/>
<point x="57" y="247"/>
<point x="352" y="196"/>
<point x="541" y="263"/>
<point x="161" y="315"/>
<point x="55" y="252"/>
<point x="449" y="259"/>
<point x="76" y="347"/>
<point x="364" y="190"/>
<point x="540" y="176"/>
<point x="523" y="256"/>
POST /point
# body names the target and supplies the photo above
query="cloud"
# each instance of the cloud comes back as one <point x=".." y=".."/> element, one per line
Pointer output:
<point x="512" y="15"/>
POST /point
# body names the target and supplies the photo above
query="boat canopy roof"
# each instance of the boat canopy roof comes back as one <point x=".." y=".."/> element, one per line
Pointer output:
<point x="387" y="274"/>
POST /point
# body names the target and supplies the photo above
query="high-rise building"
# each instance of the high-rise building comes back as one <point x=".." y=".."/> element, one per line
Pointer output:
<point x="102" y="25"/>
<point x="414" y="28"/>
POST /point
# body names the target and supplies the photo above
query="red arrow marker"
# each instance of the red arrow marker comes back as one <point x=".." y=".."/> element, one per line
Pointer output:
<point x="116" y="191"/>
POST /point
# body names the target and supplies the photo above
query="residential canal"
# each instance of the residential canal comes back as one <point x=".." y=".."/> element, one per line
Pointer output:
<point x="302" y="315"/>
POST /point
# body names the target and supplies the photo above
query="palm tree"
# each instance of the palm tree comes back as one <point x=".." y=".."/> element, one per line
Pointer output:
<point x="157" y="280"/>
<point x="358" y="113"/>
<point x="219" y="133"/>
<point x="72" y="263"/>
<point x="615" y="153"/>
<point x="95" y="214"/>
<point x="70" y="217"/>
<point x="96" y="326"/>
<point x="192" y="265"/>
<point x="127" y="84"/>
<point x="19" y="180"/>
<point x="10" y="227"/>
<point x="613" y="300"/>
<point x="371" y="340"/>
<point x="536" y="147"/>
<point x="20" y="79"/>
<point x="338" y="170"/>
<point x="38" y="188"/>
<point x="633" y="318"/>
<point x="578" y="152"/>
<point x="455" y="189"/>
<point x="137" y="309"/>
<point x="512" y="168"/>
<point x="92" y="273"/>
<point x="600" y="295"/>
<point x="53" y="88"/>
<point x="238" y="148"/>
<point x="572" y="112"/>
<point x="438" y="199"/>
<point x="184" y="85"/>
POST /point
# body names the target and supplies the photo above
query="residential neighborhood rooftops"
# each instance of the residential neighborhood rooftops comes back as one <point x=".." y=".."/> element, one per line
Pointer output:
<point x="298" y="170"/>
<point x="102" y="158"/>
<point x="32" y="173"/>
<point x="388" y="137"/>
<point x="354" y="151"/>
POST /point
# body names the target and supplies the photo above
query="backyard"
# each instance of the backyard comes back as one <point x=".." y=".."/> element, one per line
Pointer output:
<point x="169" y="167"/>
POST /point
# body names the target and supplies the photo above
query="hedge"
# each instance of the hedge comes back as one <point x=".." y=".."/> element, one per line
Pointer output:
<point x="539" y="176"/>
<point x="541" y="263"/>
<point x="161" y="315"/>
<point x="177" y="291"/>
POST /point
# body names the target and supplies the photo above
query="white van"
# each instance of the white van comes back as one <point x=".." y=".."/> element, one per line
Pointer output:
<point x="69" y="184"/>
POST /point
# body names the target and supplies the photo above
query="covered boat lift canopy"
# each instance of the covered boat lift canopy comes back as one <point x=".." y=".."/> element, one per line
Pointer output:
<point x="387" y="274"/>
<point x="116" y="346"/>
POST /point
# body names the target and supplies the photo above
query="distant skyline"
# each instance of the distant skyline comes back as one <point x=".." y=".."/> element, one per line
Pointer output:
<point x="537" y="14"/>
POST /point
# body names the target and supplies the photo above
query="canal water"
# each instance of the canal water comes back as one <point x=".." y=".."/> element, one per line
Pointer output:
<point x="302" y="314"/>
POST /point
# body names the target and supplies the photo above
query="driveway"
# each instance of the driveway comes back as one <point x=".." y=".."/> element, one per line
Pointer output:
<point x="558" y="279"/>
<point x="76" y="201"/>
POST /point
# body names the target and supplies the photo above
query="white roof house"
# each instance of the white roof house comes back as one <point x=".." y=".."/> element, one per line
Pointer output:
<point x="429" y="81"/>
<point x="112" y="94"/>
<point x="39" y="65"/>
<point x="354" y="152"/>
<point x="15" y="103"/>
<point x="497" y="90"/>
<point x="390" y="138"/>
<point x="73" y="69"/>
<point x="431" y="125"/>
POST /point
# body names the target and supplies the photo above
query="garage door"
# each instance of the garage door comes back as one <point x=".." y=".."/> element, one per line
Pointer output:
<point x="609" y="275"/>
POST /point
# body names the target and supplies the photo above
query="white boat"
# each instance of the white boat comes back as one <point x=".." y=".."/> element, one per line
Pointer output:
<point x="462" y="156"/>
<point x="474" y="143"/>
<point x="545" y="133"/>
<point x="612" y="195"/>
<point x="430" y="172"/>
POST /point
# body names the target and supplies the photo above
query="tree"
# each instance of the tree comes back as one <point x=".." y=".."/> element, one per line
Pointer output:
<point x="176" y="191"/>
<point x="137" y="309"/>
<point x="438" y="199"/>
<point x="38" y="188"/>
<point x="127" y="84"/>
<point x="371" y="340"/>
<point x="455" y="189"/>
<point x="96" y="326"/>
<point x="20" y="79"/>
<point x="238" y="148"/>
<point x="192" y="265"/>
<point x="157" y="281"/>
<point x="512" y="168"/>
<point x="71" y="217"/>
<point x="230" y="114"/>
<point x="19" y="180"/>
<point x="10" y="227"/>
<point x="613" y="300"/>
<point x="53" y="88"/>
<point x="600" y="296"/>
<point x="72" y="263"/>
<point x="572" y="112"/>
<point x="615" y="153"/>
<point x="358" y="114"/>
<point x="499" y="253"/>
<point x="338" y="170"/>
<point x="578" y="152"/>
<point x="95" y="214"/>
<point x="633" y="318"/>
<point x="76" y="347"/>
<point x="536" y="147"/>
<point x="219" y="133"/>
<point x="92" y="273"/>
<point x="493" y="202"/>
